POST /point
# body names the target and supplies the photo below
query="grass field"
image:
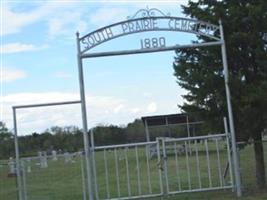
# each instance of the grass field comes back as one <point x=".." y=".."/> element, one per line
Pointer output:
<point x="63" y="181"/>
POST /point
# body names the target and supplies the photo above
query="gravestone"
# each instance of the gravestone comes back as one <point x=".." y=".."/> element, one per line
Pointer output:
<point x="43" y="159"/>
<point x="54" y="155"/>
<point x="29" y="168"/>
<point x="67" y="157"/>
<point x="12" y="167"/>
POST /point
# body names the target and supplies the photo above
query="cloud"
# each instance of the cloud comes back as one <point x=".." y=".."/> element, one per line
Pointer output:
<point x="135" y="110"/>
<point x="112" y="12"/>
<point x="118" y="108"/>
<point x="14" y="21"/>
<point x="59" y="16"/>
<point x="18" y="47"/>
<point x="107" y="15"/>
<point x="66" y="23"/>
<point x="9" y="75"/>
<point x="100" y="109"/>
<point x="152" y="107"/>
<point x="66" y="17"/>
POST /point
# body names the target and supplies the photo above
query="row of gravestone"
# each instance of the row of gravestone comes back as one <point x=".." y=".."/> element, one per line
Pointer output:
<point x="42" y="161"/>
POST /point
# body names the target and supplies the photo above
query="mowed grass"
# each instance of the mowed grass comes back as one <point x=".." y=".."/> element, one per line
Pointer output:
<point x="63" y="181"/>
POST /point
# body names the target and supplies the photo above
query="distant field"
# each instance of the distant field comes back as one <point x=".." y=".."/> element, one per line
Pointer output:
<point x="63" y="181"/>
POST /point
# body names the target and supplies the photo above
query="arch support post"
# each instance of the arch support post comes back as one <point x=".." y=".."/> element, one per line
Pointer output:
<point x="230" y="115"/>
<point x="18" y="166"/>
<point x="88" y="155"/>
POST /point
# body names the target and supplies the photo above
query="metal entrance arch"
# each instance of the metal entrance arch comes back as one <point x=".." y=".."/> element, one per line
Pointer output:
<point x="143" y="21"/>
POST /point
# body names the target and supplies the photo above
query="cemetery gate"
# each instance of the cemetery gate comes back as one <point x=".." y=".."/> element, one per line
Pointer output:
<point x="164" y="167"/>
<point x="151" y="20"/>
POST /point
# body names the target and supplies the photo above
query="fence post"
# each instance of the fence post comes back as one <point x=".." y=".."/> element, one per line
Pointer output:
<point x="159" y="165"/>
<point x="18" y="167"/>
<point x="230" y="114"/>
<point x="24" y="182"/>
<point x="229" y="151"/>
<point x="88" y="154"/>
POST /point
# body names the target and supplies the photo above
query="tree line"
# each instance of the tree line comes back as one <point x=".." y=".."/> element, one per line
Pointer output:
<point x="70" y="138"/>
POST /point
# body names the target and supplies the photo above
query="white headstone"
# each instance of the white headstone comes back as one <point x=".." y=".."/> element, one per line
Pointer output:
<point x="54" y="155"/>
<point x="12" y="167"/>
<point x="67" y="157"/>
<point x="43" y="159"/>
<point x="29" y="168"/>
<point x="121" y="155"/>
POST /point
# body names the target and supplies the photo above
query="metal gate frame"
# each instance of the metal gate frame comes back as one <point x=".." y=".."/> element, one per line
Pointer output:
<point x="161" y="144"/>
<point x="149" y="14"/>
<point x="81" y="54"/>
<point x="20" y="172"/>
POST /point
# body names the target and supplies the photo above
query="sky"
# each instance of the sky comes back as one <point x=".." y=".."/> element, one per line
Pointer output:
<point x="39" y="64"/>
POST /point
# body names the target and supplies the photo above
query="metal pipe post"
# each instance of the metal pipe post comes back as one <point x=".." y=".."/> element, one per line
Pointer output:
<point x="83" y="179"/>
<point x="188" y="134"/>
<point x="24" y="180"/>
<point x="229" y="151"/>
<point x="84" y="121"/>
<point x="93" y="162"/>
<point x="147" y="132"/>
<point x="230" y="114"/>
<point x="18" y="171"/>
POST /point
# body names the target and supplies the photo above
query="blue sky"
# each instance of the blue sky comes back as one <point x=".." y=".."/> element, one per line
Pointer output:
<point x="39" y="65"/>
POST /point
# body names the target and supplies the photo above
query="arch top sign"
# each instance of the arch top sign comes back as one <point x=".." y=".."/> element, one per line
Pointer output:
<point x="148" y="20"/>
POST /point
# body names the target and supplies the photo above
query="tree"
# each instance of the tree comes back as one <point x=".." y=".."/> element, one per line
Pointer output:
<point x="135" y="131"/>
<point x="200" y="72"/>
<point x="6" y="142"/>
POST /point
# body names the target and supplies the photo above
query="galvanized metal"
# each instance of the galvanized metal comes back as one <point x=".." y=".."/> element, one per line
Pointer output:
<point x="138" y="51"/>
<point x="208" y="161"/>
<point x="164" y="180"/>
<point x="165" y="169"/>
<point x="230" y="166"/>
<point x="148" y="169"/>
<point x="177" y="167"/>
<point x="123" y="145"/>
<point x="106" y="174"/>
<point x="127" y="171"/>
<point x="117" y="173"/>
<point x="82" y="54"/>
<point x="138" y="171"/>
<point x="24" y="180"/>
<point x="46" y="104"/>
<point x="160" y="170"/>
<point x="83" y="179"/>
<point x="198" y="166"/>
<point x="187" y="166"/>
<point x="195" y="138"/>
<point x="87" y="151"/>
<point x="188" y="134"/>
<point x="18" y="167"/>
<point x="147" y="132"/>
<point x="200" y="190"/>
<point x="94" y="164"/>
<point x="219" y="162"/>
<point x="155" y="23"/>
<point x="230" y="114"/>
